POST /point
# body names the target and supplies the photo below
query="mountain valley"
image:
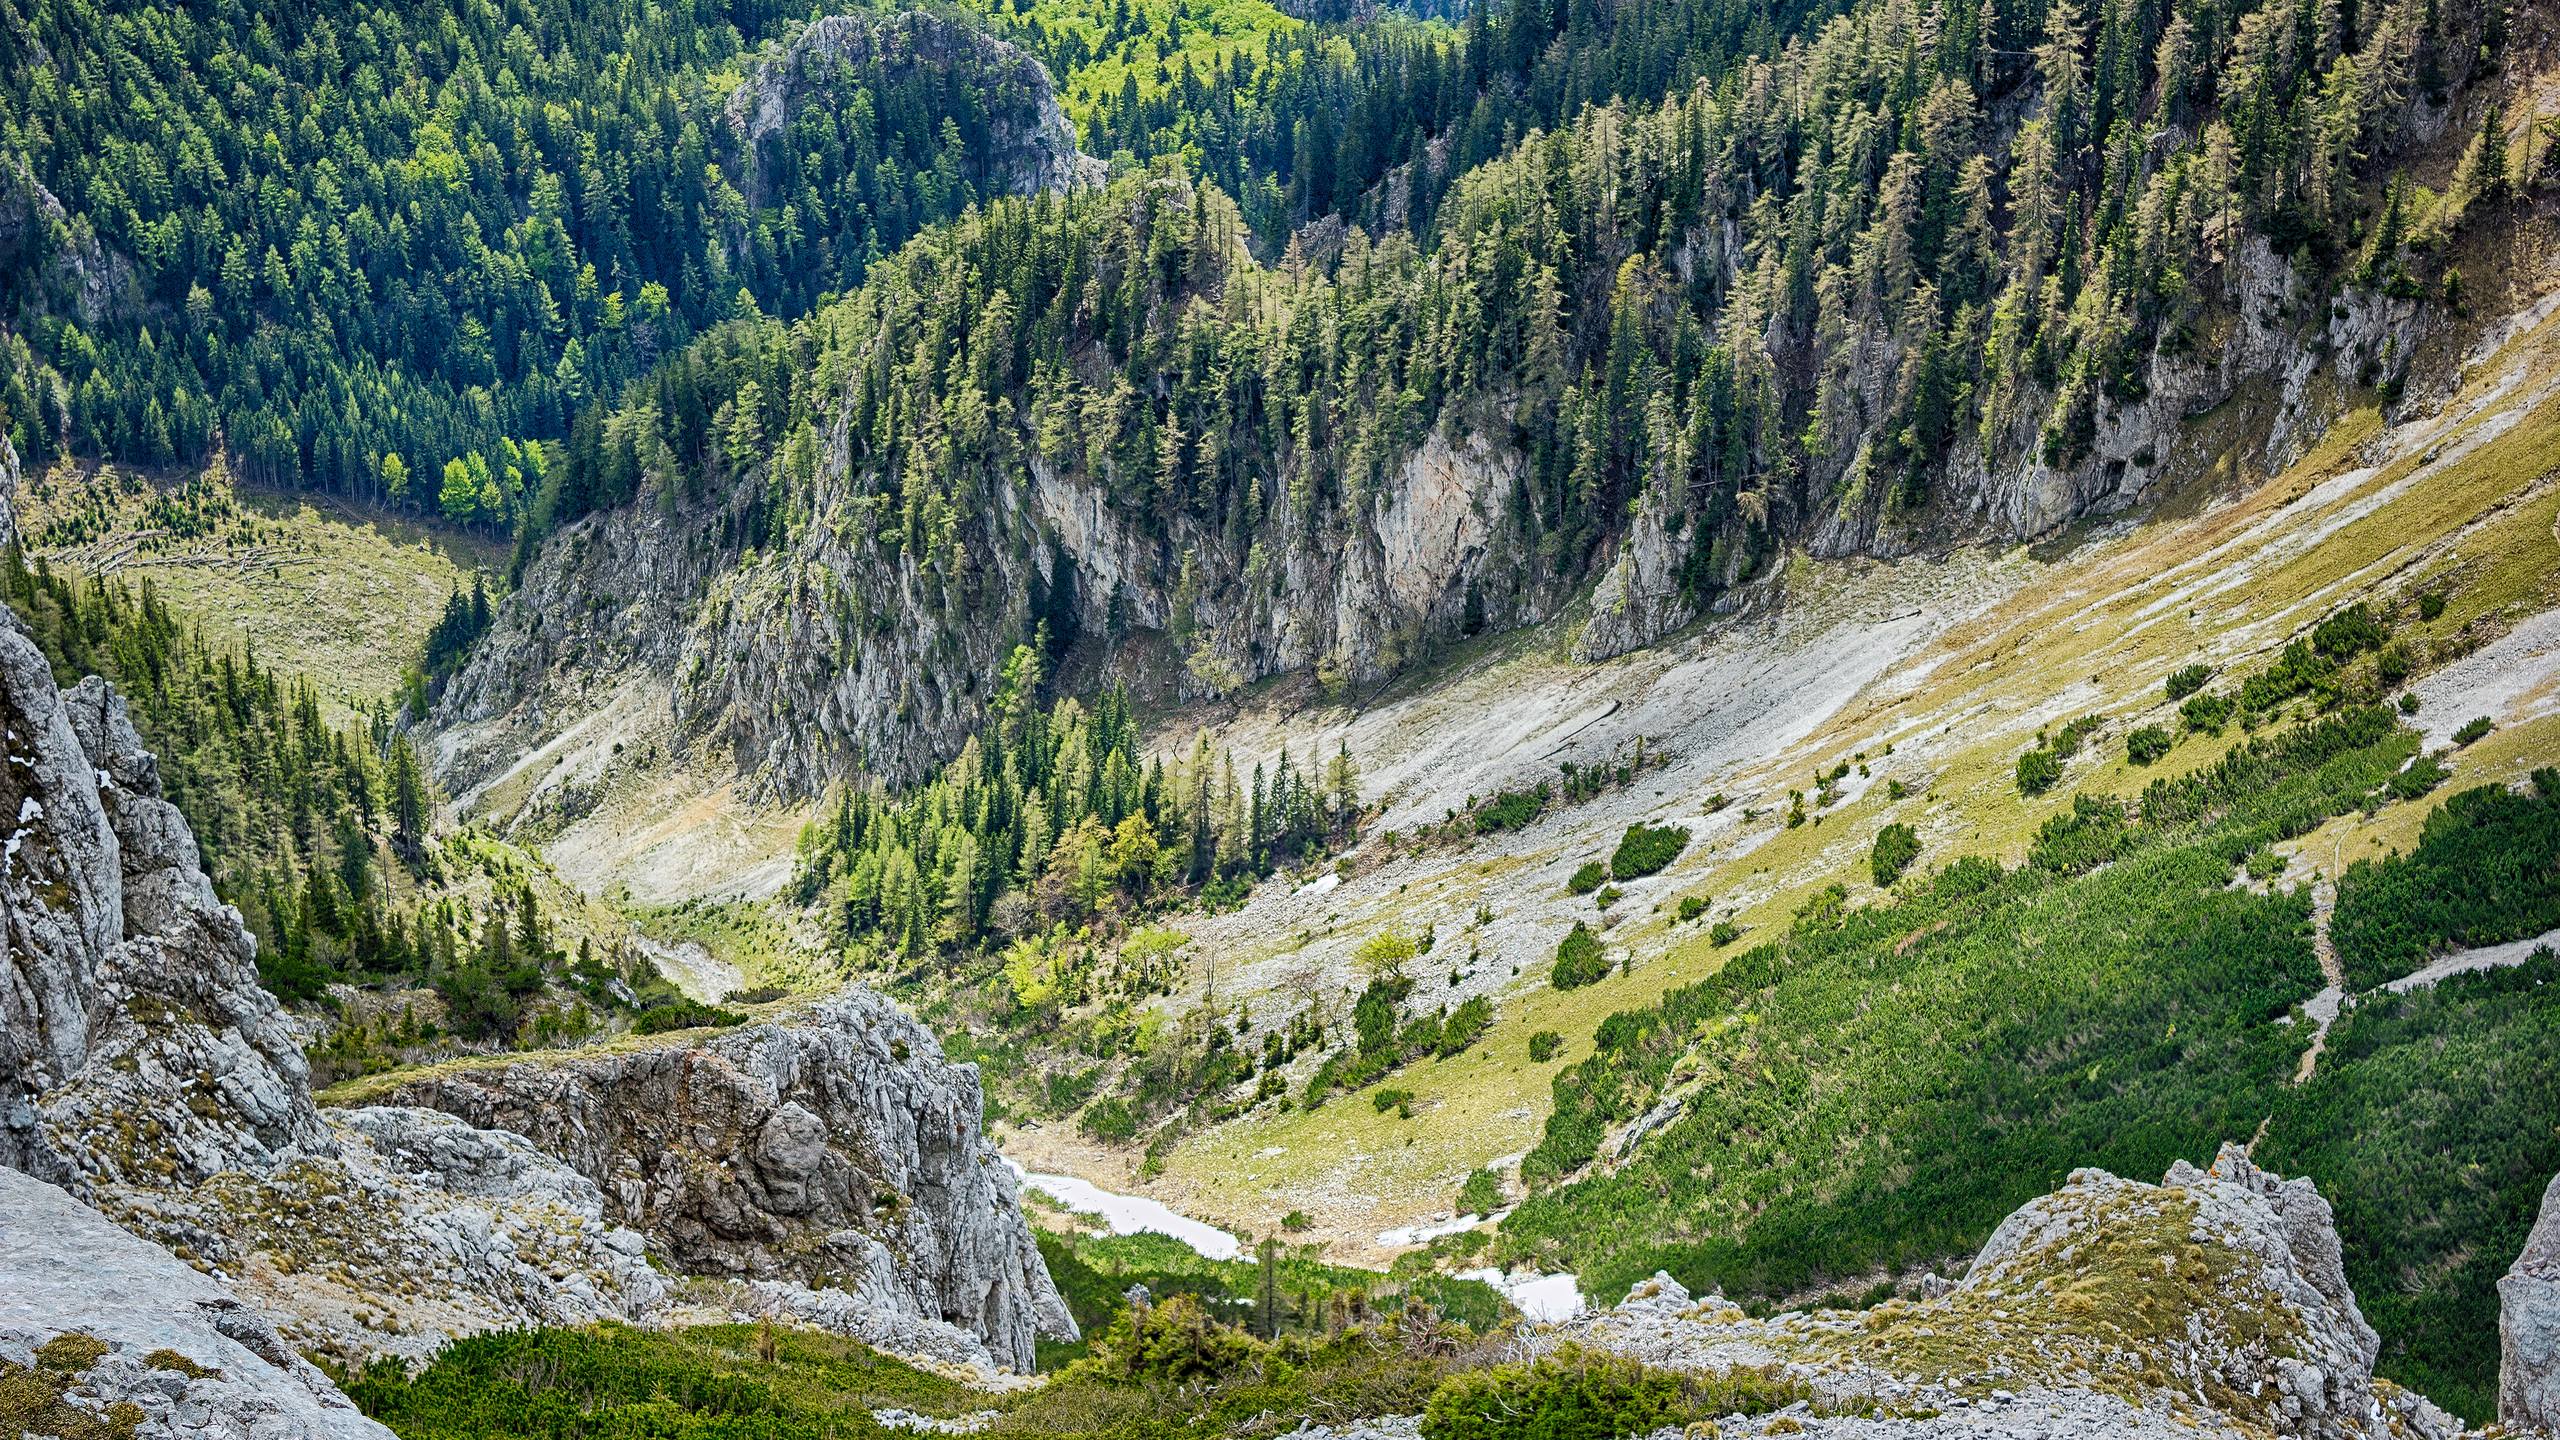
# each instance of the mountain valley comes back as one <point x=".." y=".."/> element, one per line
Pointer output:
<point x="1360" y="723"/>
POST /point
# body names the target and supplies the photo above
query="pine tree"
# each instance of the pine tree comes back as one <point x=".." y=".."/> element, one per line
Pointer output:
<point x="2492" y="177"/>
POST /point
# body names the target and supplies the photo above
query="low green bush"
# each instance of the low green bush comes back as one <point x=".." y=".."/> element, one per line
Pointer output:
<point x="2188" y="680"/>
<point x="2349" y="632"/>
<point x="1578" y="1394"/>
<point x="2207" y="713"/>
<point x="1175" y="1339"/>
<point x="2420" y="779"/>
<point x="1512" y="809"/>
<point x="2471" y="730"/>
<point x="2039" y="770"/>
<point x="1646" y="849"/>
<point x="1896" y="847"/>
<point x="1109" y="1119"/>
<point x="1587" y="878"/>
<point x="1465" y="1026"/>
<point x="684" y="1015"/>
<point x="1579" y="960"/>
<point x="1544" y="1045"/>
<point x="2091" y="833"/>
<point x="2147" y="744"/>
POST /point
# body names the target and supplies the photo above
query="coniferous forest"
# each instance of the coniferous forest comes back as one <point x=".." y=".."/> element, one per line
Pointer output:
<point x="1683" y="649"/>
<point x="392" y="252"/>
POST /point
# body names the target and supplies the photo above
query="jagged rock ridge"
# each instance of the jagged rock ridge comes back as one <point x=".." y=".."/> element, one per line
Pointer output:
<point x="2529" y="1326"/>
<point x="838" y="1150"/>
<point x="2215" y="1302"/>
<point x="143" y="1069"/>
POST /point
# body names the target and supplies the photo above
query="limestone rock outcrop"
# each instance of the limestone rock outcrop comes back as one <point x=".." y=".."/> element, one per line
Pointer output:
<point x="831" y="1148"/>
<point x="2529" y="1327"/>
<point x="889" y="676"/>
<point x="2215" y="1302"/>
<point x="135" y="1044"/>
<point x="9" y="478"/>
<point x="96" y="1323"/>
<point x="144" y="1070"/>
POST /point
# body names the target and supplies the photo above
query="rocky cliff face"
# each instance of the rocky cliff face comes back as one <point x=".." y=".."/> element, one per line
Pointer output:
<point x="1030" y="143"/>
<point x="2214" y="1302"/>
<point x="100" y="1328"/>
<point x="836" y="1150"/>
<point x="828" y="654"/>
<point x="135" y="1044"/>
<point x="60" y="265"/>
<point x="2529" y="1327"/>
<point x="142" y="1068"/>
<point x="9" y="477"/>
<point x="2009" y="489"/>
<point x="805" y="663"/>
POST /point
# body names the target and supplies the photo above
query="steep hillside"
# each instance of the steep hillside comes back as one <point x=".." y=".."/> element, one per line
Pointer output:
<point x="1826" y="301"/>
<point x="383" y="251"/>
<point x="1723" y="653"/>
<point x="1907" y="696"/>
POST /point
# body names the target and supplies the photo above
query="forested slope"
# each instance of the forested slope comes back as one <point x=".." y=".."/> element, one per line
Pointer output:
<point x="357" y="245"/>
<point x="1923" y="274"/>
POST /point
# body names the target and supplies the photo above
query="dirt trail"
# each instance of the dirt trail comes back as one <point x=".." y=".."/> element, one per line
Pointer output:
<point x="2322" y="1008"/>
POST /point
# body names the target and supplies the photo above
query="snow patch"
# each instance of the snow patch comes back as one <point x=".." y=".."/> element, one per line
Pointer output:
<point x="1542" y="1299"/>
<point x="1404" y="1235"/>
<point x="1131" y="1214"/>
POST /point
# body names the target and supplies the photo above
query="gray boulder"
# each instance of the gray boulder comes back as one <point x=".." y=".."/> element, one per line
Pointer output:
<point x="2529" y="1327"/>
<point x="117" y="1328"/>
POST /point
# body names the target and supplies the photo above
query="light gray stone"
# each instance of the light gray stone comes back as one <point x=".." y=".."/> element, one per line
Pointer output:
<point x="2529" y="1326"/>
<point x="2275" y="1345"/>
<point x="184" y="1351"/>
